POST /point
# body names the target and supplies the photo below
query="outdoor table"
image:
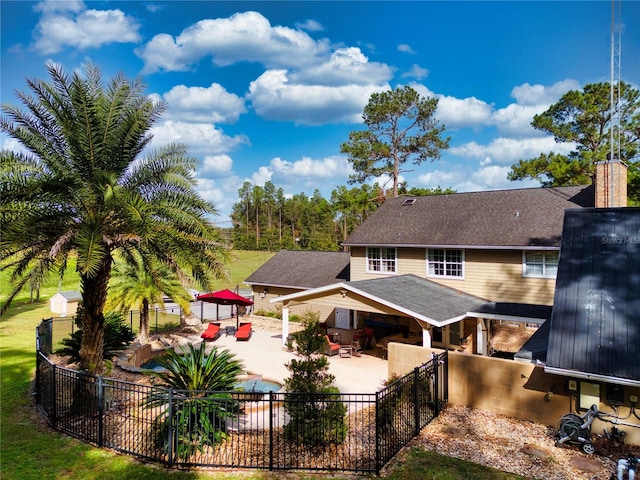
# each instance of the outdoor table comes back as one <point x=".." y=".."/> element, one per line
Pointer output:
<point x="230" y="330"/>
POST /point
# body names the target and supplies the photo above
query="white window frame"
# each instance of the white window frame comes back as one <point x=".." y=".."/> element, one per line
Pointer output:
<point x="545" y="263"/>
<point x="386" y="264"/>
<point x="445" y="263"/>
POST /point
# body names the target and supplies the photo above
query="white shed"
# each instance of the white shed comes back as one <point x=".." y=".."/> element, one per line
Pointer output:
<point x="65" y="303"/>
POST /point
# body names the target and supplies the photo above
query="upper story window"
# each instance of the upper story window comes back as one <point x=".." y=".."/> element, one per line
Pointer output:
<point x="445" y="263"/>
<point x="381" y="260"/>
<point x="540" y="264"/>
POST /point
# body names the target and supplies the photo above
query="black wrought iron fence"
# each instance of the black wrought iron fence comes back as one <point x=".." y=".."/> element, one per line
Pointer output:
<point x="347" y="432"/>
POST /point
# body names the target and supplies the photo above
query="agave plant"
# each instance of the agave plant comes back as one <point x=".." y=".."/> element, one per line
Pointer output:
<point x="194" y="411"/>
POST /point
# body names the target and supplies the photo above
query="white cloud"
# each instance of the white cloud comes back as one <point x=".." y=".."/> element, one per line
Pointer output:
<point x="310" y="26"/>
<point x="70" y="24"/>
<point x="274" y="98"/>
<point x="509" y="150"/>
<point x="199" y="104"/>
<point x="535" y="95"/>
<point x="440" y="178"/>
<point x="246" y="36"/>
<point x="305" y="174"/>
<point x="13" y="145"/>
<point x="345" y="66"/>
<point x="200" y="137"/>
<point x="456" y="113"/>
<point x="515" y="119"/>
<point x="416" y="72"/>
<point x="403" y="47"/>
<point x="217" y="164"/>
<point x="262" y="176"/>
<point x="329" y="167"/>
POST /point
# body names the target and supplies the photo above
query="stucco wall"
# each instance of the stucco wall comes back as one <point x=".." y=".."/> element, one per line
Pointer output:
<point x="510" y="388"/>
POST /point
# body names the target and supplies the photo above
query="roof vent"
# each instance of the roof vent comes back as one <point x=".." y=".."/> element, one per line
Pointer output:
<point x="409" y="201"/>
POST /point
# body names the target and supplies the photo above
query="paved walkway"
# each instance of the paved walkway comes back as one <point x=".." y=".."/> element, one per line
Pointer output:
<point x="262" y="354"/>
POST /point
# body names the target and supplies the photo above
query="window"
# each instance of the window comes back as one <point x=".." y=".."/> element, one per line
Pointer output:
<point x="381" y="260"/>
<point x="445" y="263"/>
<point x="540" y="264"/>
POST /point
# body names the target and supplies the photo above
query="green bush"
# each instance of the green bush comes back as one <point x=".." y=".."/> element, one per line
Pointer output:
<point x="316" y="411"/>
<point x="197" y="417"/>
<point x="117" y="336"/>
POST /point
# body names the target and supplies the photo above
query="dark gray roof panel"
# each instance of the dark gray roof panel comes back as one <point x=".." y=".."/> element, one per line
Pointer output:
<point x="302" y="269"/>
<point x="595" y="324"/>
<point x="535" y="349"/>
<point x="522" y="310"/>
<point x="523" y="217"/>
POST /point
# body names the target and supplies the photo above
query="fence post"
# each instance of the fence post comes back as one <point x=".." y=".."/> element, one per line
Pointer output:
<point x="416" y="402"/>
<point x="54" y="402"/>
<point x="377" y="433"/>
<point x="170" y="429"/>
<point x="435" y="365"/>
<point x="100" y="410"/>
<point x="271" y="397"/>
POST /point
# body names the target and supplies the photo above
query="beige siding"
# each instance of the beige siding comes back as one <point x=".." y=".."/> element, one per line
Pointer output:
<point x="492" y="274"/>
<point x="324" y="309"/>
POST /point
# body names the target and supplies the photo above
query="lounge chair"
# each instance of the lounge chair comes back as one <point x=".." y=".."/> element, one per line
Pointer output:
<point x="212" y="332"/>
<point x="244" y="332"/>
<point x="332" y="347"/>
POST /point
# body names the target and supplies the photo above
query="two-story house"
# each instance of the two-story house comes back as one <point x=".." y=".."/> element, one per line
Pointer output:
<point x="473" y="271"/>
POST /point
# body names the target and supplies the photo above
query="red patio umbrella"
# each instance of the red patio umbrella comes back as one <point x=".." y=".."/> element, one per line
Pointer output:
<point x="226" y="297"/>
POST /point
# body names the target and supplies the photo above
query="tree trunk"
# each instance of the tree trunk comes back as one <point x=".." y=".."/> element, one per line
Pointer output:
<point x="94" y="296"/>
<point x="143" y="330"/>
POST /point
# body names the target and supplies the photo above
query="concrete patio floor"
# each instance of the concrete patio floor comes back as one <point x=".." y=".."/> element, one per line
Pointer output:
<point x="263" y="355"/>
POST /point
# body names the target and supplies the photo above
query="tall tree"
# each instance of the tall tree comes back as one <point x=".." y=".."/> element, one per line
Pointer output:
<point x="585" y="118"/>
<point x="401" y="126"/>
<point x="83" y="186"/>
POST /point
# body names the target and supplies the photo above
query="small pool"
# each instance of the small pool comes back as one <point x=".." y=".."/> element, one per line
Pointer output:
<point x="258" y="384"/>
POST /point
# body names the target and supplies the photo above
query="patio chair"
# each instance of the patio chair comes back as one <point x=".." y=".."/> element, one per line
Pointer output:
<point x="332" y="347"/>
<point x="243" y="332"/>
<point x="212" y="332"/>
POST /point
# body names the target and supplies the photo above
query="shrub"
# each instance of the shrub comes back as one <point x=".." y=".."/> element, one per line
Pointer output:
<point x="117" y="336"/>
<point x="199" y="406"/>
<point x="316" y="411"/>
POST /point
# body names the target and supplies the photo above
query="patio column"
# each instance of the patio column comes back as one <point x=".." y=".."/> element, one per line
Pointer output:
<point x="426" y="338"/>
<point x="285" y="324"/>
<point x="482" y="337"/>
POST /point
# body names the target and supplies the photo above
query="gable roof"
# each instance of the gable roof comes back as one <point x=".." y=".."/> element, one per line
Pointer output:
<point x="408" y="295"/>
<point x="302" y="269"/>
<point x="530" y="217"/>
<point x="435" y="303"/>
<point x="70" y="295"/>
<point x="595" y="323"/>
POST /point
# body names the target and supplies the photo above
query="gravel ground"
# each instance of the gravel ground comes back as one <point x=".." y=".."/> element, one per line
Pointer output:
<point x="513" y="445"/>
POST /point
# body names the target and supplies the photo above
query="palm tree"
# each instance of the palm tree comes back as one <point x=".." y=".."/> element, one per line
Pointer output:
<point x="86" y="184"/>
<point x="137" y="286"/>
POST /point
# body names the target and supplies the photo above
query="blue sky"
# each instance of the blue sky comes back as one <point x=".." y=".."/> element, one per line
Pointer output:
<point x="269" y="90"/>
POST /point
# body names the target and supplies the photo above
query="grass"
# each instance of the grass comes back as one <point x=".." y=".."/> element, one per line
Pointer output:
<point x="31" y="450"/>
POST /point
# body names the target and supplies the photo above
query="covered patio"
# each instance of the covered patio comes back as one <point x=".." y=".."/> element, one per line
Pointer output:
<point x="410" y="309"/>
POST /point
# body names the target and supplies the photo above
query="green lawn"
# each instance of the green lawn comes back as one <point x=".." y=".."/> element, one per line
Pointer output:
<point x="30" y="450"/>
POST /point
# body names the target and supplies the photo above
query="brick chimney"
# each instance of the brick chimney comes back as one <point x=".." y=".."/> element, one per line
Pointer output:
<point x="611" y="184"/>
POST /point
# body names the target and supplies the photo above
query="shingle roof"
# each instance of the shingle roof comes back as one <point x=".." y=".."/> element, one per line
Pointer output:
<point x="501" y="218"/>
<point x="302" y="269"/>
<point x="419" y="295"/>
<point x="595" y="324"/>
